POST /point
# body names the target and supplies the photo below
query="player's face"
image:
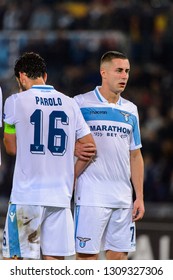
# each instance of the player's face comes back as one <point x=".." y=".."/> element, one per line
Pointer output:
<point x="115" y="74"/>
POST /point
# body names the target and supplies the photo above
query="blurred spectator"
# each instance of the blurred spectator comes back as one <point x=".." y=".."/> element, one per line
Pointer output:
<point x="41" y="18"/>
<point x="12" y="17"/>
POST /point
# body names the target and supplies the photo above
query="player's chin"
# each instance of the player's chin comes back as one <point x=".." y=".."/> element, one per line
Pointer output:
<point x="122" y="87"/>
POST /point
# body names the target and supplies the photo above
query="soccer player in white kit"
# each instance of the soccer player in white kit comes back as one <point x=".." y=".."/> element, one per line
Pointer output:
<point x="105" y="213"/>
<point x="41" y="128"/>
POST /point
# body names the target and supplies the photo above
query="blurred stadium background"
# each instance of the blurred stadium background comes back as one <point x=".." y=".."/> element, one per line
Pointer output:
<point x="72" y="36"/>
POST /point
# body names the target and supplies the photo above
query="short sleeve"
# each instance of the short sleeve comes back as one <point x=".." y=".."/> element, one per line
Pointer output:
<point x="9" y="110"/>
<point x="82" y="127"/>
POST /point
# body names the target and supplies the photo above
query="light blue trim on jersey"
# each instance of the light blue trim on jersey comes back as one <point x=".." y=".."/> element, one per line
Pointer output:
<point x="112" y="114"/>
<point x="14" y="246"/>
<point x="107" y="114"/>
<point x="97" y="93"/>
<point x="102" y="99"/>
<point x="77" y="210"/>
<point x="43" y="87"/>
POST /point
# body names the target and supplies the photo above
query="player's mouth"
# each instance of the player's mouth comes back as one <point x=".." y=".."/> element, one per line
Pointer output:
<point x="122" y="84"/>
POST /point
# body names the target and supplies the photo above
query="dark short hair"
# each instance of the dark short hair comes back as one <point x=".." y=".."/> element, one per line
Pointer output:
<point x="108" y="56"/>
<point x="30" y="63"/>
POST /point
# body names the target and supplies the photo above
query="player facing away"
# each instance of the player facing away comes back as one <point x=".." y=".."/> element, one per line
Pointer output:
<point x="105" y="213"/>
<point x="41" y="127"/>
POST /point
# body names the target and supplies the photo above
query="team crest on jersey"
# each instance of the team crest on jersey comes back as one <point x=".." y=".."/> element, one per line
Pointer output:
<point x="82" y="241"/>
<point x="126" y="116"/>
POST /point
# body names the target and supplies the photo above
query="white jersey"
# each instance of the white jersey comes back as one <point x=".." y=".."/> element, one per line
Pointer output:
<point x="47" y="125"/>
<point x="115" y="128"/>
<point x="0" y="116"/>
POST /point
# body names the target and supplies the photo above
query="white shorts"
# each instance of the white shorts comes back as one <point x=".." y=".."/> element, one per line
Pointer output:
<point x="99" y="228"/>
<point x="30" y="230"/>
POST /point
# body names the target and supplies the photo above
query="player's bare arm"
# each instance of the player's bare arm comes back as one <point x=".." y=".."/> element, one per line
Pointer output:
<point x="10" y="143"/>
<point x="137" y="176"/>
<point x="10" y="139"/>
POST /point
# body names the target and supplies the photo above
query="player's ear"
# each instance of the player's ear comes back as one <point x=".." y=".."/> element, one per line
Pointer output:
<point x="45" y="77"/>
<point x="22" y="77"/>
<point x="19" y="85"/>
<point x="102" y="72"/>
<point x="22" y="74"/>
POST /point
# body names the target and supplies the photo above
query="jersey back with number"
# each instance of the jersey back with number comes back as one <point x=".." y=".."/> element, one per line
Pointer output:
<point x="47" y="124"/>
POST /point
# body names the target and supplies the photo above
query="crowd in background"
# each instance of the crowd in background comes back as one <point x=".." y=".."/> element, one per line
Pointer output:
<point x="74" y="35"/>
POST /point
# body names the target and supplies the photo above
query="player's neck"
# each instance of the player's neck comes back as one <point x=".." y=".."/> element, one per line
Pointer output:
<point x="111" y="97"/>
<point x="38" y="81"/>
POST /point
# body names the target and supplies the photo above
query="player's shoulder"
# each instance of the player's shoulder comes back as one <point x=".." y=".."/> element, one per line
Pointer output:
<point x="63" y="95"/>
<point x="128" y="105"/>
<point x="67" y="99"/>
<point x="85" y="97"/>
<point x="12" y="97"/>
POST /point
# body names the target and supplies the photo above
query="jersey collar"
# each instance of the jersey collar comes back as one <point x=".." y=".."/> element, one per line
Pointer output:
<point x="102" y="99"/>
<point x="47" y="87"/>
